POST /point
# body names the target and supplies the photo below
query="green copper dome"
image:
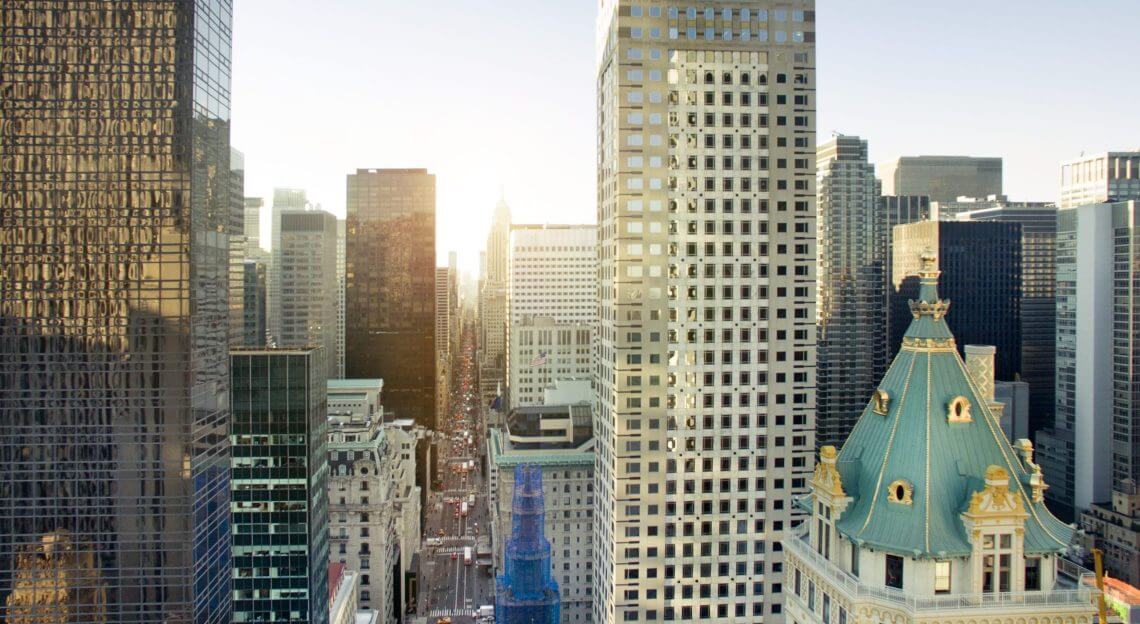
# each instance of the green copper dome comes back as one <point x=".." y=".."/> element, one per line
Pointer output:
<point x="923" y="446"/>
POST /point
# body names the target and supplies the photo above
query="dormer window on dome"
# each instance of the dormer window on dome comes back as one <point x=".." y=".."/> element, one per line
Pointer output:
<point x="901" y="492"/>
<point x="959" y="411"/>
<point x="881" y="402"/>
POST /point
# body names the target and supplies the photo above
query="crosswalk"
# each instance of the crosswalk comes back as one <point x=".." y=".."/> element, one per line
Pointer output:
<point x="438" y="613"/>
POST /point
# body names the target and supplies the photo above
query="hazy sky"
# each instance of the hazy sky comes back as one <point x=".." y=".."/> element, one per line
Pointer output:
<point x="500" y="95"/>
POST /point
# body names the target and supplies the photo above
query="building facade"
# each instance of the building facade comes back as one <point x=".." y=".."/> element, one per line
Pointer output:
<point x="341" y="232"/>
<point x="1038" y="299"/>
<point x="306" y="265"/>
<point x="527" y="592"/>
<point x="254" y="300"/>
<point x="235" y="231"/>
<point x="942" y="178"/>
<point x="982" y="270"/>
<point x="390" y="287"/>
<point x="493" y="303"/>
<point x="1100" y="178"/>
<point x="553" y="273"/>
<point x="251" y="224"/>
<point x="284" y="199"/>
<point x="707" y="280"/>
<point x="851" y="332"/>
<point x="929" y="513"/>
<point x="279" y="513"/>
<point x="1096" y="410"/>
<point x="1114" y="527"/>
<point x="544" y="352"/>
<point x="113" y="311"/>
<point x="373" y="497"/>
<point x="443" y="341"/>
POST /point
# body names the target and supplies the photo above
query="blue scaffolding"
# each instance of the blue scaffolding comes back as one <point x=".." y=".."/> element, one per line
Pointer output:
<point x="526" y="593"/>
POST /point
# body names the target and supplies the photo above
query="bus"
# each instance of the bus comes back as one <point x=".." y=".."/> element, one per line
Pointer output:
<point x="466" y="555"/>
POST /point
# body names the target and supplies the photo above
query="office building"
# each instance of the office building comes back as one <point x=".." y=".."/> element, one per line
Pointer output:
<point x="113" y="312"/>
<point x="851" y="332"/>
<point x="493" y="303"/>
<point x="284" y="200"/>
<point x="373" y="498"/>
<point x="942" y="178"/>
<point x="544" y="352"/>
<point x="1013" y="397"/>
<point x="341" y="252"/>
<point x="251" y="224"/>
<point x="982" y="275"/>
<point x="455" y="312"/>
<point x="557" y="438"/>
<point x="1093" y="445"/>
<point x="253" y="331"/>
<point x="926" y="515"/>
<point x="707" y="267"/>
<point x="553" y="273"/>
<point x="390" y="287"/>
<point x="896" y="210"/>
<point x="1114" y="527"/>
<point x="443" y="326"/>
<point x="1038" y="223"/>
<point x="306" y="264"/>
<point x="279" y="514"/>
<point x="235" y="231"/>
<point x="1100" y="178"/>
<point x="526" y="591"/>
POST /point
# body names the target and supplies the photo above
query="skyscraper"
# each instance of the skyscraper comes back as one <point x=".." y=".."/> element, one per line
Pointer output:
<point x="851" y="333"/>
<point x="707" y="252"/>
<point x="493" y="301"/>
<point x="280" y="486"/>
<point x="251" y="224"/>
<point x="306" y="264"/>
<point x="981" y="272"/>
<point x="390" y="287"/>
<point x="1099" y="178"/>
<point x="1038" y="223"/>
<point x="253" y="303"/>
<point x="341" y="259"/>
<point x="113" y="311"/>
<point x="283" y="200"/>
<point x="235" y="230"/>
<point x="896" y="210"/>
<point x="443" y="327"/>
<point x="942" y="178"/>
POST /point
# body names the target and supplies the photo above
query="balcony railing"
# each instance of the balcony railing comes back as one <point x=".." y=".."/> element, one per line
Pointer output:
<point x="854" y="589"/>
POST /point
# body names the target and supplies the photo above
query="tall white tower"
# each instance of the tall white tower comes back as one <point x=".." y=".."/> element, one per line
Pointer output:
<point x="707" y="252"/>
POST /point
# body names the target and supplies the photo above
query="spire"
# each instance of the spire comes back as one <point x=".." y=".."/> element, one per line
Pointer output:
<point x="526" y="593"/>
<point x="929" y="325"/>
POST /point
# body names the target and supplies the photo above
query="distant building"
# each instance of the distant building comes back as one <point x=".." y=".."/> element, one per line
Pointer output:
<point x="390" y="287"/>
<point x="1095" y="441"/>
<point x="251" y="223"/>
<point x="279" y="517"/>
<point x="1100" y="178"/>
<point x="374" y="502"/>
<point x="896" y="210"/>
<point x="284" y="199"/>
<point x="1038" y="223"/>
<point x="1014" y="396"/>
<point x="544" y="352"/>
<point x="254" y="303"/>
<point x="235" y="232"/>
<point x="851" y="323"/>
<point x="1114" y="527"/>
<point x="925" y="513"/>
<point x="306" y="265"/>
<point x="341" y="266"/>
<point x="493" y="304"/>
<point x="443" y="341"/>
<point x="344" y="594"/>
<point x="558" y="438"/>
<point x="527" y="592"/>
<point x="981" y="276"/>
<point x="942" y="178"/>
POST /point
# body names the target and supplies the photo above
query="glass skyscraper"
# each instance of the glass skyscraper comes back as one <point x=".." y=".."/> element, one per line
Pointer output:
<point x="114" y="456"/>
<point x="280" y="486"/>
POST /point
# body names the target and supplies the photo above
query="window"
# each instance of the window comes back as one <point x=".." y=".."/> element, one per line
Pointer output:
<point x="894" y="571"/>
<point x="996" y="563"/>
<point x="941" y="577"/>
<point x="1032" y="574"/>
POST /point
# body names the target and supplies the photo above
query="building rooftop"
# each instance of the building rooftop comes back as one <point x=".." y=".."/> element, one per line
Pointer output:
<point x="353" y="384"/>
<point x="928" y="444"/>
<point x="503" y="456"/>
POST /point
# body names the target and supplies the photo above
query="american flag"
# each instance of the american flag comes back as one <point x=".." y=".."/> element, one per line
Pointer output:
<point x="540" y="360"/>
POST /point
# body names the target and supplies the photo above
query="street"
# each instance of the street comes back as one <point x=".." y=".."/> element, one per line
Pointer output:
<point x="453" y="583"/>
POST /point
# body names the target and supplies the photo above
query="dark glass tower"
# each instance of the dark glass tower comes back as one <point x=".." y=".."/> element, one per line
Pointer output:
<point x="526" y="592"/>
<point x="280" y="486"/>
<point x="981" y="273"/>
<point x="254" y="301"/>
<point x="390" y="287"/>
<point x="114" y="207"/>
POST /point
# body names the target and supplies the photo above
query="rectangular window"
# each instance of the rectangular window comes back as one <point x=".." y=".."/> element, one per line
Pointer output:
<point x="894" y="571"/>
<point x="1033" y="574"/>
<point x="941" y="577"/>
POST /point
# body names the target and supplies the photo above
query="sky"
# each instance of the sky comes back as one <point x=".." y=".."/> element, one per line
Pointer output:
<point x="497" y="98"/>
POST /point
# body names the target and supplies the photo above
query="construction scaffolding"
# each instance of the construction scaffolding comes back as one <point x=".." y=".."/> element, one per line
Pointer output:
<point x="526" y="592"/>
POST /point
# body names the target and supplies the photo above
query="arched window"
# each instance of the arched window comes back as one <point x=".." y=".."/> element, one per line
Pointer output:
<point x="959" y="410"/>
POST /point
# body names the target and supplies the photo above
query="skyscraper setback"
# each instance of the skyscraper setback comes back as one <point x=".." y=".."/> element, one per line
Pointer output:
<point x="113" y="311"/>
<point x="706" y="227"/>
<point x="390" y="287"/>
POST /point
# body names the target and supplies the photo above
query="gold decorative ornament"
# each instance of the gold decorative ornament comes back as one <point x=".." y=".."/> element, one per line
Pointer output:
<point x="996" y="499"/>
<point x="929" y="344"/>
<point x="901" y="492"/>
<point x="881" y="403"/>
<point x="826" y="477"/>
<point x="959" y="411"/>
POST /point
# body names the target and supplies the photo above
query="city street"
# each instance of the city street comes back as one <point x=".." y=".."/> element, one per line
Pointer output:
<point x="452" y="583"/>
